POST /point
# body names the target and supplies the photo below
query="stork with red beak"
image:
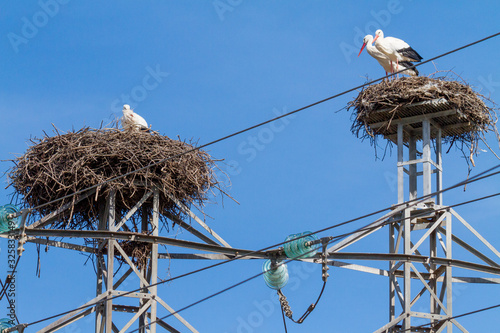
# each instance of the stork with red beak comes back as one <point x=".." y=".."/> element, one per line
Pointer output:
<point x="395" y="49"/>
<point x="384" y="60"/>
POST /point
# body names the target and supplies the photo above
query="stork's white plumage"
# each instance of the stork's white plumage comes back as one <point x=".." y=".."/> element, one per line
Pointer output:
<point x="384" y="60"/>
<point x="396" y="49"/>
<point x="131" y="120"/>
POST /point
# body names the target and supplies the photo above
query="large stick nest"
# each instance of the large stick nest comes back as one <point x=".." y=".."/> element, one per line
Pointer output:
<point x="378" y="106"/>
<point x="58" y="166"/>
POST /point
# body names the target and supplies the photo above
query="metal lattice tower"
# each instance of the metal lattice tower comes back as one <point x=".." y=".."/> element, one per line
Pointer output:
<point x="427" y="215"/>
<point x="425" y="122"/>
<point x="421" y="237"/>
<point x="110" y="282"/>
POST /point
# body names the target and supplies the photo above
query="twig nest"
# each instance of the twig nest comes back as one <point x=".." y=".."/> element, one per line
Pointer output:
<point x="463" y="114"/>
<point x="58" y="166"/>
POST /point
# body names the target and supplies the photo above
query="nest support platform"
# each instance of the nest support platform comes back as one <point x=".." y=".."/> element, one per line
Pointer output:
<point x="442" y="115"/>
<point x="457" y="114"/>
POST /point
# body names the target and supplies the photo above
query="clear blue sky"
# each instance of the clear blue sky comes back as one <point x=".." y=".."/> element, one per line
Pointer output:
<point x="204" y="69"/>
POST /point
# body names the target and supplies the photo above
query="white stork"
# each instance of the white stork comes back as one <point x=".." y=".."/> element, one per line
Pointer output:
<point x="384" y="60"/>
<point x="131" y="120"/>
<point x="396" y="49"/>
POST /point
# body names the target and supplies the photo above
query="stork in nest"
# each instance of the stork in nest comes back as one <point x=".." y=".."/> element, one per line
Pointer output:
<point x="131" y="121"/>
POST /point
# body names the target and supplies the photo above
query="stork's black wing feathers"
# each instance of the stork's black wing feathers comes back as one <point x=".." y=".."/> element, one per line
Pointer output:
<point x="410" y="66"/>
<point x="410" y="53"/>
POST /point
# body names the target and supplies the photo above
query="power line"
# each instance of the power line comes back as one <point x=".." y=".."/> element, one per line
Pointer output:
<point x="480" y="176"/>
<point x="447" y="53"/>
<point x="330" y="241"/>
<point x="225" y="290"/>
<point x="413" y="202"/>
<point x="432" y="325"/>
<point x="334" y="238"/>
<point x="257" y="125"/>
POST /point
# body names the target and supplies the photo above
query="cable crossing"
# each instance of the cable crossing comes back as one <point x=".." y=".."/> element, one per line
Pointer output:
<point x="478" y="177"/>
<point x="332" y="239"/>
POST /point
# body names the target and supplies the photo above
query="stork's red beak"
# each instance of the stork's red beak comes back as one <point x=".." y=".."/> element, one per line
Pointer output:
<point x="362" y="47"/>
<point x="374" y="39"/>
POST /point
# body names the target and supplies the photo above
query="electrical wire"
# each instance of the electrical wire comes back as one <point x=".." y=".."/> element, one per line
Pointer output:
<point x="409" y="204"/>
<point x="229" y="288"/>
<point x="284" y="320"/>
<point x="4" y="293"/>
<point x="432" y="325"/>
<point x="293" y="259"/>
<point x="311" y="307"/>
<point x="413" y="202"/>
<point x="8" y="281"/>
<point x="257" y="125"/>
<point x="333" y="239"/>
<point x="480" y="176"/>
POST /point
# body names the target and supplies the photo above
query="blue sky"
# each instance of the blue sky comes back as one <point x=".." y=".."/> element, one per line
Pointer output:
<point x="203" y="70"/>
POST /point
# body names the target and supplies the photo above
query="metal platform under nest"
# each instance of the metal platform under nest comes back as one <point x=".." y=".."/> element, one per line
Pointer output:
<point x="441" y="114"/>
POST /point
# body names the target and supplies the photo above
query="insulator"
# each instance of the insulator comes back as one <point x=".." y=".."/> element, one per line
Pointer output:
<point x="8" y="223"/>
<point x="276" y="277"/>
<point x="299" y="248"/>
<point x="4" y="324"/>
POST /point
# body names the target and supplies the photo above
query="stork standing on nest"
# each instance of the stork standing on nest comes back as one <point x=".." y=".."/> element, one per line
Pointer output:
<point x="131" y="120"/>
<point x="396" y="49"/>
<point x="384" y="60"/>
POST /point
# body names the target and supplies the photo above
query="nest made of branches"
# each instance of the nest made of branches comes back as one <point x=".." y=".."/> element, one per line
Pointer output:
<point x="391" y="99"/>
<point x="139" y="252"/>
<point x="58" y="166"/>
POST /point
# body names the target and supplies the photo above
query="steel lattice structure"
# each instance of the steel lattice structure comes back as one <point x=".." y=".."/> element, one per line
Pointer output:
<point x="421" y="240"/>
<point x="421" y="234"/>
<point x="112" y="230"/>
